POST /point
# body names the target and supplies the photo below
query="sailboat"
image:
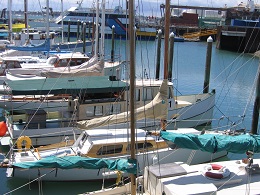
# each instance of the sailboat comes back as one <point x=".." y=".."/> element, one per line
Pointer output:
<point x="225" y="177"/>
<point x="92" y="144"/>
<point x="40" y="41"/>
<point x="103" y="144"/>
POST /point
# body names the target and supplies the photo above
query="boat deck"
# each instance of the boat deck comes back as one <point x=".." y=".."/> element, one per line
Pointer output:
<point x="179" y="178"/>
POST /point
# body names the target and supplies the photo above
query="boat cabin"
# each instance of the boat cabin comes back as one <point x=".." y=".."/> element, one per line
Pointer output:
<point x="34" y="35"/>
<point x="16" y="62"/>
<point x="106" y="143"/>
<point x="69" y="59"/>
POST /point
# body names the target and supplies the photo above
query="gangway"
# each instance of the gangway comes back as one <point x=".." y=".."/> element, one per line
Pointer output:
<point x="201" y="33"/>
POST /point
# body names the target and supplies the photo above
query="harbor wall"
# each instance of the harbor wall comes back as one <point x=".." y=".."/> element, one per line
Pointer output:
<point x="238" y="39"/>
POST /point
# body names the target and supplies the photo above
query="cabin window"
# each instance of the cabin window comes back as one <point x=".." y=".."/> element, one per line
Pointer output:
<point x="108" y="109"/>
<point x="90" y="110"/>
<point x="140" y="146"/>
<point x="94" y="111"/>
<point x="147" y="94"/>
<point x="98" y="110"/>
<point x="72" y="63"/>
<point x="111" y="149"/>
<point x="83" y="139"/>
<point x="63" y="63"/>
<point x="137" y="95"/>
<point x="13" y="65"/>
<point x="116" y="109"/>
<point x="80" y="61"/>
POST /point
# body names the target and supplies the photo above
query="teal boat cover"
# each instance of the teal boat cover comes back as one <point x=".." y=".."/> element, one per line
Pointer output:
<point x="68" y="85"/>
<point x="213" y="142"/>
<point x="71" y="162"/>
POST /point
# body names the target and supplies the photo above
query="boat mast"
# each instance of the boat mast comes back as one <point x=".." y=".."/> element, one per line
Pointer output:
<point x="103" y="21"/>
<point x="97" y="30"/>
<point x="26" y="17"/>
<point x="166" y="37"/>
<point x="62" y="25"/>
<point x="132" y="88"/>
<point x="26" y="13"/>
<point x="10" y="20"/>
<point x="47" y="19"/>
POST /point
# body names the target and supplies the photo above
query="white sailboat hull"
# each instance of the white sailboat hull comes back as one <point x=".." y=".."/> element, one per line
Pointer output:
<point x="55" y="130"/>
<point x="167" y="156"/>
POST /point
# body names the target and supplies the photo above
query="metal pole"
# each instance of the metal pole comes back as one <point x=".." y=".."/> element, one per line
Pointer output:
<point x="84" y="37"/>
<point x="256" y="106"/>
<point x="62" y="24"/>
<point x="113" y="43"/>
<point x="171" y="56"/>
<point x="208" y="64"/>
<point x="78" y="24"/>
<point x="132" y="89"/>
<point x="158" y="59"/>
<point x="89" y="34"/>
<point x="69" y="31"/>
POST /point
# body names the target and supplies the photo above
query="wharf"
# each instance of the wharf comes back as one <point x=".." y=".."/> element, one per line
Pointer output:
<point x="238" y="38"/>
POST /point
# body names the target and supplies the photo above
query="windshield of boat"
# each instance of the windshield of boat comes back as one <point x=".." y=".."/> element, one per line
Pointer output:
<point x="52" y="60"/>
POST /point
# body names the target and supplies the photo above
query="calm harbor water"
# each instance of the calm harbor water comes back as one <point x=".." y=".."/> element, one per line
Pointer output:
<point x="232" y="75"/>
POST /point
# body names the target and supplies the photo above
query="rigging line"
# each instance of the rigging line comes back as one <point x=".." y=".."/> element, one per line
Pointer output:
<point x="252" y="89"/>
<point x="226" y="182"/>
<point x="30" y="182"/>
<point x="255" y="37"/>
<point x="191" y="156"/>
<point x="231" y="74"/>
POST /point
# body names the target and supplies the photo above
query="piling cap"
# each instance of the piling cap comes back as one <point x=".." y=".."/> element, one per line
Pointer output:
<point x="159" y="31"/>
<point x="209" y="39"/>
<point x="172" y="34"/>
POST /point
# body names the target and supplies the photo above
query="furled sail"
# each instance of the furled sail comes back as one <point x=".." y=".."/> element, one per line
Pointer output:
<point x="94" y="68"/>
<point x="157" y="108"/>
<point x="72" y="162"/>
<point x="213" y="142"/>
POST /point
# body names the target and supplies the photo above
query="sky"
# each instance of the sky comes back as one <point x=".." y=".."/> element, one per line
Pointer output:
<point x="150" y="6"/>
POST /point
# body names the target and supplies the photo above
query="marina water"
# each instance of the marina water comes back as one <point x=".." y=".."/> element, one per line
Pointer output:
<point x="232" y="76"/>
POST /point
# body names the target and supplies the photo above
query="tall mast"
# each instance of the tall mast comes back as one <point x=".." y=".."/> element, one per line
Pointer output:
<point x="97" y="30"/>
<point x="47" y="19"/>
<point x="26" y="13"/>
<point x="10" y="20"/>
<point x="62" y="25"/>
<point x="102" y="49"/>
<point x="166" y="37"/>
<point x="132" y="88"/>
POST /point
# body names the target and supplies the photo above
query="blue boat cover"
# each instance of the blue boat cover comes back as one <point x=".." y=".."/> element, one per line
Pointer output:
<point x="45" y="46"/>
<point x="213" y="142"/>
<point x="71" y="162"/>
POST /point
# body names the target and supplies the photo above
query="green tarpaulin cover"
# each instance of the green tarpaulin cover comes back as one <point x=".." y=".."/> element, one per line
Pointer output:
<point x="68" y="85"/>
<point x="71" y="162"/>
<point x="213" y="142"/>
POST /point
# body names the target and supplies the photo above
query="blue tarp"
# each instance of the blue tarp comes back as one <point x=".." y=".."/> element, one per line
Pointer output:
<point x="213" y="142"/>
<point x="71" y="162"/>
<point x="45" y="46"/>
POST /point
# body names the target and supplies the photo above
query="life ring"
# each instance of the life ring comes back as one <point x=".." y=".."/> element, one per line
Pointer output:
<point x="216" y="171"/>
<point x="28" y="143"/>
